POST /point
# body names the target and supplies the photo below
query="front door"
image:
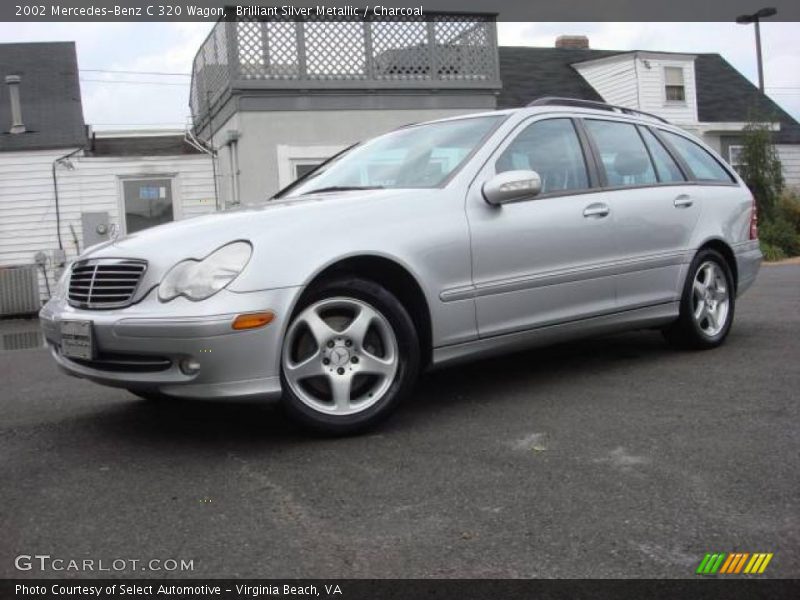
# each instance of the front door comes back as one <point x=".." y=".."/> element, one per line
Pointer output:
<point x="147" y="203"/>
<point x="535" y="261"/>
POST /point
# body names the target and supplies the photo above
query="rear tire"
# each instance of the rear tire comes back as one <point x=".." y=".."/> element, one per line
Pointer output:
<point x="707" y="304"/>
<point x="350" y="355"/>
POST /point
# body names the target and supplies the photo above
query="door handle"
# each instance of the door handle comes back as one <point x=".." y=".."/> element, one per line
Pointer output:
<point x="683" y="201"/>
<point x="597" y="210"/>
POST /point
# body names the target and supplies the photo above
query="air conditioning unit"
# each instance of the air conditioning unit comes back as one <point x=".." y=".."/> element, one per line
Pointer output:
<point x="19" y="290"/>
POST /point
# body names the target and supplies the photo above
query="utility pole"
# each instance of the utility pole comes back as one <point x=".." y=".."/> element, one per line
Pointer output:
<point x="755" y="18"/>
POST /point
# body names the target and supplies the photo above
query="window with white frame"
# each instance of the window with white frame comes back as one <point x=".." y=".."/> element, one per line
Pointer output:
<point x="304" y="167"/>
<point x="296" y="161"/>
<point x="735" y="156"/>
<point x="674" y="87"/>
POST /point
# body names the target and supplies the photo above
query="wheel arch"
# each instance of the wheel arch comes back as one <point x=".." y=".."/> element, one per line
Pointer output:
<point x="727" y="253"/>
<point x="392" y="275"/>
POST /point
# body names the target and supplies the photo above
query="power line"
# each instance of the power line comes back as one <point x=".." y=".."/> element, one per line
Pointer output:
<point x="134" y="82"/>
<point x="166" y="74"/>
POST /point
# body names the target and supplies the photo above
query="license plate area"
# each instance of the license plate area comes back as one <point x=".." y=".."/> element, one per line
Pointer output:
<point x="77" y="340"/>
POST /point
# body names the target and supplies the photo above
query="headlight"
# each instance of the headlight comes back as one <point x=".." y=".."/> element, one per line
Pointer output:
<point x="201" y="279"/>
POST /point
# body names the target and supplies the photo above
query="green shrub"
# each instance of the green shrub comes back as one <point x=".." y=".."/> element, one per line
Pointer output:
<point x="789" y="209"/>
<point x="761" y="167"/>
<point x="781" y="235"/>
<point x="771" y="253"/>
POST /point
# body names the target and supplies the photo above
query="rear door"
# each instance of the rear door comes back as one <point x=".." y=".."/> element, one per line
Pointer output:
<point x="655" y="209"/>
<point x="535" y="260"/>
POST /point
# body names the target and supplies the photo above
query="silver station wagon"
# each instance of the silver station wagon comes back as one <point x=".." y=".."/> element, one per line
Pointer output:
<point x="435" y="243"/>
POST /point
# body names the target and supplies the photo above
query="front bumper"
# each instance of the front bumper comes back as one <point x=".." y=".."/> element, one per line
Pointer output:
<point x="141" y="347"/>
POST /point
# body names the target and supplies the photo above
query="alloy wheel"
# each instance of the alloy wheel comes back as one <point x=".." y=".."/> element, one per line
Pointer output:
<point x="710" y="299"/>
<point x="340" y="356"/>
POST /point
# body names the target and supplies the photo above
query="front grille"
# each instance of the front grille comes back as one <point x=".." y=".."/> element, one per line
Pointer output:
<point x="104" y="282"/>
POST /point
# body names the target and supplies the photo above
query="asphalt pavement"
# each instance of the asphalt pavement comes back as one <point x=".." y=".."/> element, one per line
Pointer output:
<point x="613" y="457"/>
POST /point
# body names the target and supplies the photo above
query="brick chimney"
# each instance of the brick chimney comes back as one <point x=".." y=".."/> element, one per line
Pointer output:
<point x="572" y="41"/>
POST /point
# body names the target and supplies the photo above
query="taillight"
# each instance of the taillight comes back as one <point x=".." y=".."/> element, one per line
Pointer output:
<point x="754" y="221"/>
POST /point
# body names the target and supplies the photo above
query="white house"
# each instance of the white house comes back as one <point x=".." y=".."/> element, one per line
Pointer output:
<point x="702" y="93"/>
<point x="63" y="188"/>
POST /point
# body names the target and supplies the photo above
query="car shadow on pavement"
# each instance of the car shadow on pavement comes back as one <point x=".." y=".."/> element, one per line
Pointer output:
<point x="548" y="366"/>
<point x="191" y="422"/>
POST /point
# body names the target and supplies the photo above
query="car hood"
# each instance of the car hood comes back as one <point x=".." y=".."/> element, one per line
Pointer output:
<point x="197" y="237"/>
<point x="288" y="236"/>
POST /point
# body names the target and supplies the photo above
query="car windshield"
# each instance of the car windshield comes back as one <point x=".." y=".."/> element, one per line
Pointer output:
<point x="421" y="156"/>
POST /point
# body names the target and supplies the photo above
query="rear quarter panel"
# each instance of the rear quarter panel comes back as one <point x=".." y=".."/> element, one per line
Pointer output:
<point x="725" y="215"/>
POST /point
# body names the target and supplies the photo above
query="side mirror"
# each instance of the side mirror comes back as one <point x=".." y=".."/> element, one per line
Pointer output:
<point x="511" y="185"/>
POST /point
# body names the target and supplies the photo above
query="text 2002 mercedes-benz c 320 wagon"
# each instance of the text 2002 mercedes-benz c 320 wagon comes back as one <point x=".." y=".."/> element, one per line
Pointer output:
<point x="435" y="243"/>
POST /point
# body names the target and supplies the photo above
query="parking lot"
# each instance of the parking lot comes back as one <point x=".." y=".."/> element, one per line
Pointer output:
<point x="614" y="457"/>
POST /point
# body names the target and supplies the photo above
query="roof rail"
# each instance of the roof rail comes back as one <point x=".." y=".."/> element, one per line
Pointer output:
<point x="577" y="102"/>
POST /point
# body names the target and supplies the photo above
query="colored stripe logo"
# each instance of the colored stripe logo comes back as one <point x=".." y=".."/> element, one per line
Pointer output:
<point x="734" y="563"/>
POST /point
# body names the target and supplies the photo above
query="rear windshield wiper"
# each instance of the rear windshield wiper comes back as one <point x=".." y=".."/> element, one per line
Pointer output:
<point x="343" y="188"/>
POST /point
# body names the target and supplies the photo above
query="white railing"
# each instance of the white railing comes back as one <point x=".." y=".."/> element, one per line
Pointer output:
<point x="436" y="51"/>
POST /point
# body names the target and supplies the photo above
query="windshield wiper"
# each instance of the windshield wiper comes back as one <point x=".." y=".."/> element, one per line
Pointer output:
<point x="343" y="188"/>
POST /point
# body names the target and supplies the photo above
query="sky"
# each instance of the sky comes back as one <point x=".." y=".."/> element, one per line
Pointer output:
<point x="154" y="100"/>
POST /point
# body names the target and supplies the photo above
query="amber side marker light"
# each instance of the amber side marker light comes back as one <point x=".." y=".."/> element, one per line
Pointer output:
<point x="253" y="320"/>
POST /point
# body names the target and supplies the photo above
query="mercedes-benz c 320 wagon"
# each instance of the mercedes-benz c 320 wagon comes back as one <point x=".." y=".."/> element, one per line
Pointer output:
<point x="432" y="244"/>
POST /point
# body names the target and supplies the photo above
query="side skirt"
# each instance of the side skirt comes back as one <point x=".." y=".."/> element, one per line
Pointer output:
<point x="640" y="318"/>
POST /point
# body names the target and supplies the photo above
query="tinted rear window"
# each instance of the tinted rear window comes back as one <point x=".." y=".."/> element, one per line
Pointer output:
<point x="622" y="152"/>
<point x="703" y="165"/>
<point x="667" y="168"/>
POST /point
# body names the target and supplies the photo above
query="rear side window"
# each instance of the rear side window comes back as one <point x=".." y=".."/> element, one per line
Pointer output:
<point x="666" y="167"/>
<point x="703" y="165"/>
<point x="622" y="151"/>
<point x="552" y="149"/>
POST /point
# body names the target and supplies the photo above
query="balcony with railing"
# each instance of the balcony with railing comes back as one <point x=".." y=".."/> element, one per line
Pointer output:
<point x="437" y="52"/>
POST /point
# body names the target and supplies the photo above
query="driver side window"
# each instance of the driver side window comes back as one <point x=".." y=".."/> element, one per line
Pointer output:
<point x="553" y="150"/>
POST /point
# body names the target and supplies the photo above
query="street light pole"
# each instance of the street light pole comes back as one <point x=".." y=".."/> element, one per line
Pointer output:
<point x="755" y="18"/>
<point x="757" y="24"/>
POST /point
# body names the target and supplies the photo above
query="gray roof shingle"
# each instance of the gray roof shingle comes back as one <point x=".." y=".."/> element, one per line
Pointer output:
<point x="50" y="96"/>
<point x="150" y="145"/>
<point x="723" y="94"/>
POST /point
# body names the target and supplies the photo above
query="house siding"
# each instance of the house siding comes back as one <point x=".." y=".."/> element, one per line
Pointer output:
<point x="652" y="93"/>
<point x="27" y="203"/>
<point x="27" y="209"/>
<point x="790" y="160"/>
<point x="638" y="82"/>
<point x="614" y="80"/>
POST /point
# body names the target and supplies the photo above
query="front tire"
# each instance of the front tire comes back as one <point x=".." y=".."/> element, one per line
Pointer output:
<point x="350" y="355"/>
<point x="707" y="304"/>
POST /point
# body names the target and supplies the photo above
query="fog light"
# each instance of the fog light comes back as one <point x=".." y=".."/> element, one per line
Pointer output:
<point x="190" y="366"/>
